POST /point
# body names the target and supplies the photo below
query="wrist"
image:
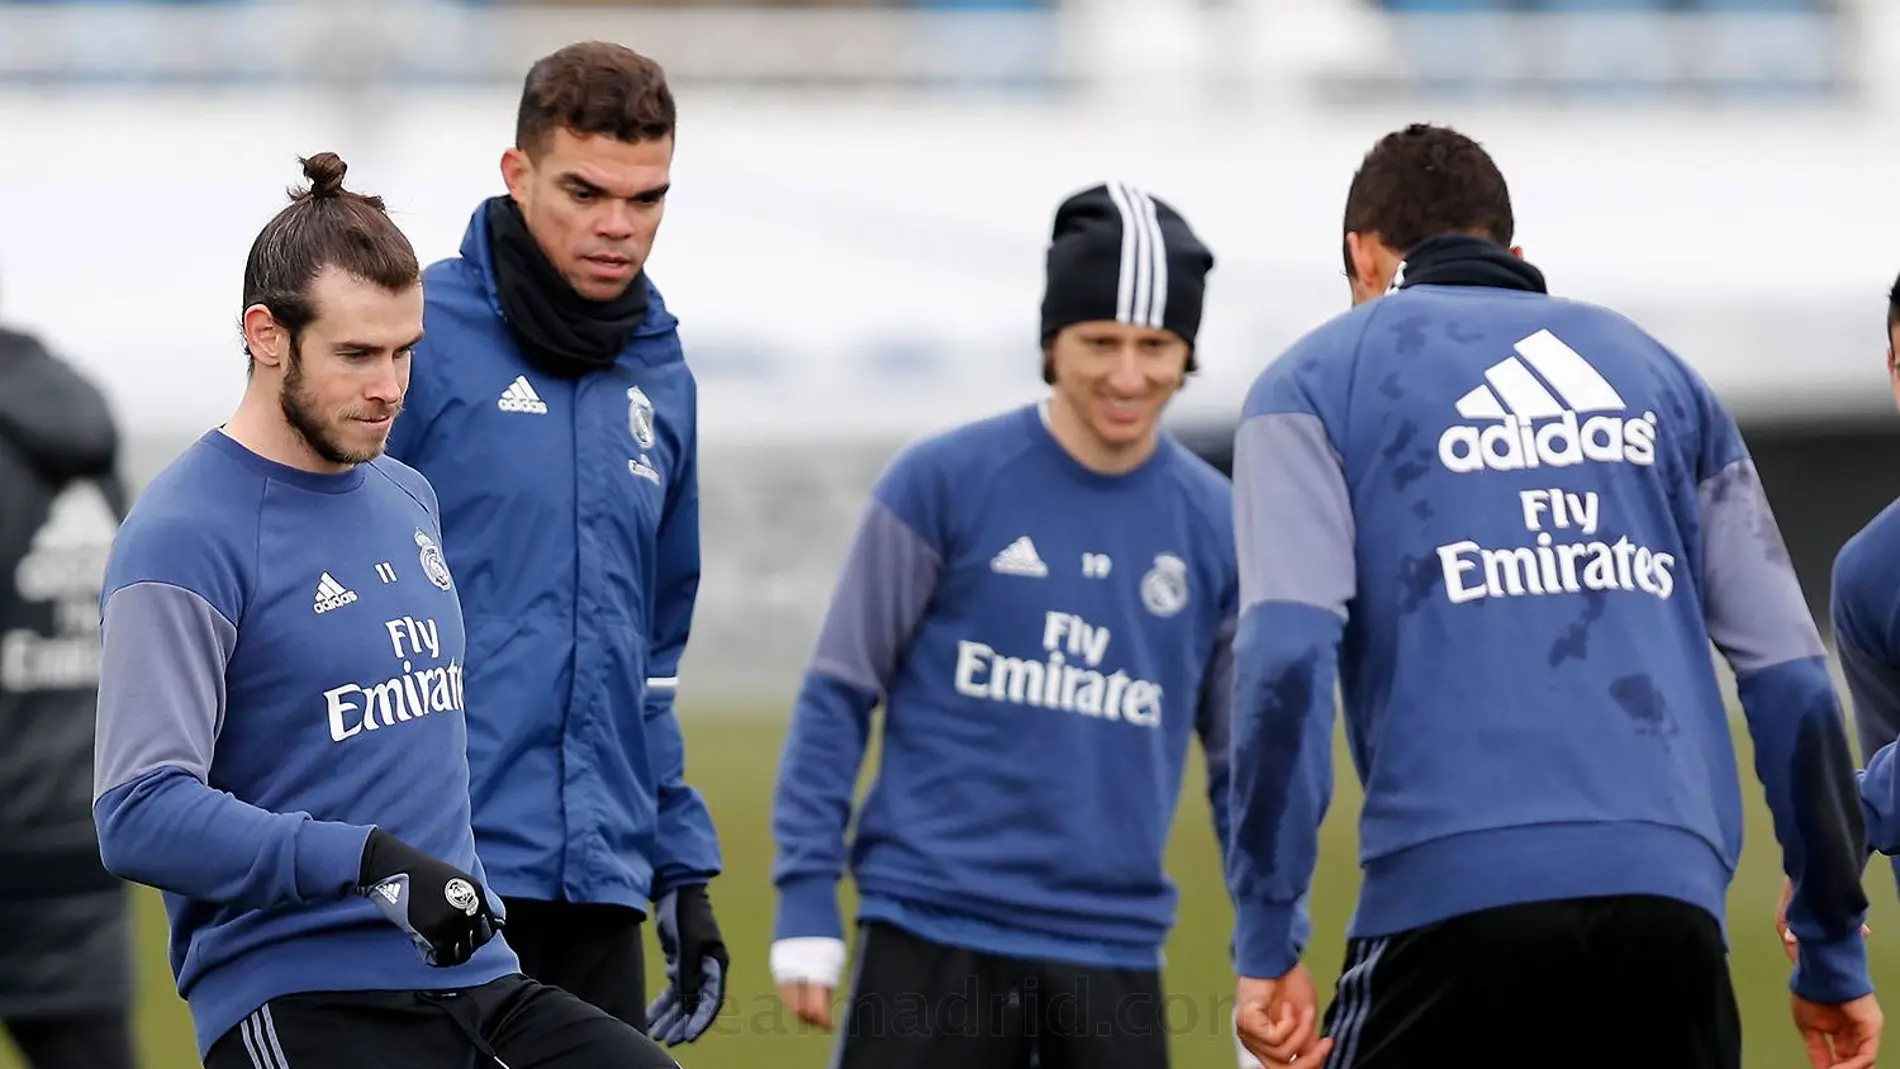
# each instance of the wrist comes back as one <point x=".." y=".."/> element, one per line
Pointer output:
<point x="808" y="906"/>
<point x="1830" y="972"/>
<point x="662" y="887"/>
<point x="380" y="858"/>
<point x="1267" y="939"/>
<point x="329" y="859"/>
<point x="808" y="959"/>
<point x="366" y="864"/>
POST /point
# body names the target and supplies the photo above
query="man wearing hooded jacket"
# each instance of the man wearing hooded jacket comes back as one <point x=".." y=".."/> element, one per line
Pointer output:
<point x="551" y="408"/>
<point x="65" y="962"/>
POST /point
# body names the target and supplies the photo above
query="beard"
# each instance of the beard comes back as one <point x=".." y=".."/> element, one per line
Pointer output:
<point x="303" y="412"/>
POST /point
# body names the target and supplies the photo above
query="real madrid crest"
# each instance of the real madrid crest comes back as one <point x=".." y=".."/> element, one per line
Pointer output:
<point x="433" y="565"/>
<point x="1164" y="590"/>
<point x="640" y="416"/>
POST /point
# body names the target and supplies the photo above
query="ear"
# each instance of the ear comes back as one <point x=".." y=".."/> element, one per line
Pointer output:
<point x="266" y="339"/>
<point x="1365" y="261"/>
<point x="1517" y="251"/>
<point x="1374" y="265"/>
<point x="515" y="169"/>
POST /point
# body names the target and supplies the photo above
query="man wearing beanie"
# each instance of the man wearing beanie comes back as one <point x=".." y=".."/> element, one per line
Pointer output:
<point x="1043" y="603"/>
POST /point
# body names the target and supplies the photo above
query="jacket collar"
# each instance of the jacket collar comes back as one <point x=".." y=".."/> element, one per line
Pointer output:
<point x="1459" y="260"/>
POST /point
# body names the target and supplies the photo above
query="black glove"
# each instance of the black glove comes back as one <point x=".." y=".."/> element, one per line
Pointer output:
<point x="443" y="909"/>
<point x="696" y="967"/>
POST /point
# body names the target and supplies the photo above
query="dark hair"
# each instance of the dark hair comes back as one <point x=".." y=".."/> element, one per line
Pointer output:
<point x="1424" y="181"/>
<point x="593" y="87"/>
<point x="324" y="226"/>
<point x="1893" y="306"/>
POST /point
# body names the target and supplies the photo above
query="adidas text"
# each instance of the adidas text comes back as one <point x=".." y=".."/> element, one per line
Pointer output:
<point x="520" y="397"/>
<point x="63" y="569"/>
<point x="331" y="594"/>
<point x="1055" y="682"/>
<point x="1019" y="558"/>
<point x="1517" y="443"/>
<point x="1533" y="411"/>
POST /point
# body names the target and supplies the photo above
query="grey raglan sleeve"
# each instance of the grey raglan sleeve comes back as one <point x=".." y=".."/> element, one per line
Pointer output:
<point x="882" y="593"/>
<point x="161" y="710"/>
<point x="1757" y="617"/>
<point x="1295" y="532"/>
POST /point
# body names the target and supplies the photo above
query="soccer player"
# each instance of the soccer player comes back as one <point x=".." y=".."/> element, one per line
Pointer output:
<point x="281" y="746"/>
<point x="65" y="966"/>
<point x="1042" y="601"/>
<point x="1509" y="525"/>
<point x="1864" y="606"/>
<point x="555" y="415"/>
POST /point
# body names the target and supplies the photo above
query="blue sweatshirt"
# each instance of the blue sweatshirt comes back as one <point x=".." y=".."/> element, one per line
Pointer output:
<point x="1865" y="609"/>
<point x="1509" y="526"/>
<point x="282" y="670"/>
<point x="1044" y="640"/>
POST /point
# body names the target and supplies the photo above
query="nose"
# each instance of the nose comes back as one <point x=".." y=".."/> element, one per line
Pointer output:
<point x="385" y="386"/>
<point x="617" y="223"/>
<point x="1125" y="376"/>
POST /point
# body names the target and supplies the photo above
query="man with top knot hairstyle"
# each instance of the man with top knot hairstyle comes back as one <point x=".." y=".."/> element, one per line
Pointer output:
<point x="1043" y="603"/>
<point x="281" y="742"/>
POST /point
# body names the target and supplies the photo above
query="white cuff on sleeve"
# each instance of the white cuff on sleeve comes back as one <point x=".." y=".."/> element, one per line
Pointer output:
<point x="1243" y="1056"/>
<point x="811" y="959"/>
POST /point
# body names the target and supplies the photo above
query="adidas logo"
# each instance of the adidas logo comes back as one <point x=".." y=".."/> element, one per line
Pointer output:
<point x="520" y="397"/>
<point x="332" y="594"/>
<point x="1019" y="558"/>
<point x="1532" y="402"/>
<point x="390" y="892"/>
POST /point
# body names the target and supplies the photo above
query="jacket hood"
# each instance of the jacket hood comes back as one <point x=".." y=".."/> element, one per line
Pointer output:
<point x="52" y="414"/>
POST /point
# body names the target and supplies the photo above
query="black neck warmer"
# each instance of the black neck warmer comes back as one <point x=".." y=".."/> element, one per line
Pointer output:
<point x="559" y="331"/>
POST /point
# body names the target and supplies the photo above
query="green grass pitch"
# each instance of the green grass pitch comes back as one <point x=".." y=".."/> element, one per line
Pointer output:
<point x="733" y="760"/>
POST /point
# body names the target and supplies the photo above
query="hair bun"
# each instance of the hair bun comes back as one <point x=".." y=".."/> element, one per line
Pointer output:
<point x="325" y="171"/>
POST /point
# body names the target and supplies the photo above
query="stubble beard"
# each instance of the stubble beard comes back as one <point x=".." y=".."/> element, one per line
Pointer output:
<point x="301" y="411"/>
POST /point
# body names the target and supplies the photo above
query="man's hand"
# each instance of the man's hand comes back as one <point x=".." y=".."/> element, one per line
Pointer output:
<point x="1789" y="944"/>
<point x="806" y="969"/>
<point x="444" y="910"/>
<point x="1278" y="1020"/>
<point x="1846" y="1036"/>
<point x="696" y="968"/>
<point x="809" y="1002"/>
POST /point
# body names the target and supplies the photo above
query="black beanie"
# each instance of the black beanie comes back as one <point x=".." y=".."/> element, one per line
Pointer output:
<point x="1118" y="253"/>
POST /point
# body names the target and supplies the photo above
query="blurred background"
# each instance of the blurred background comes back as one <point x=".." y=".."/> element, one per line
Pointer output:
<point x="862" y="194"/>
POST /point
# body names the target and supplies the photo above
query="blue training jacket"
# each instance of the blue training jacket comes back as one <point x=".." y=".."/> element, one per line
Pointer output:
<point x="570" y="518"/>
